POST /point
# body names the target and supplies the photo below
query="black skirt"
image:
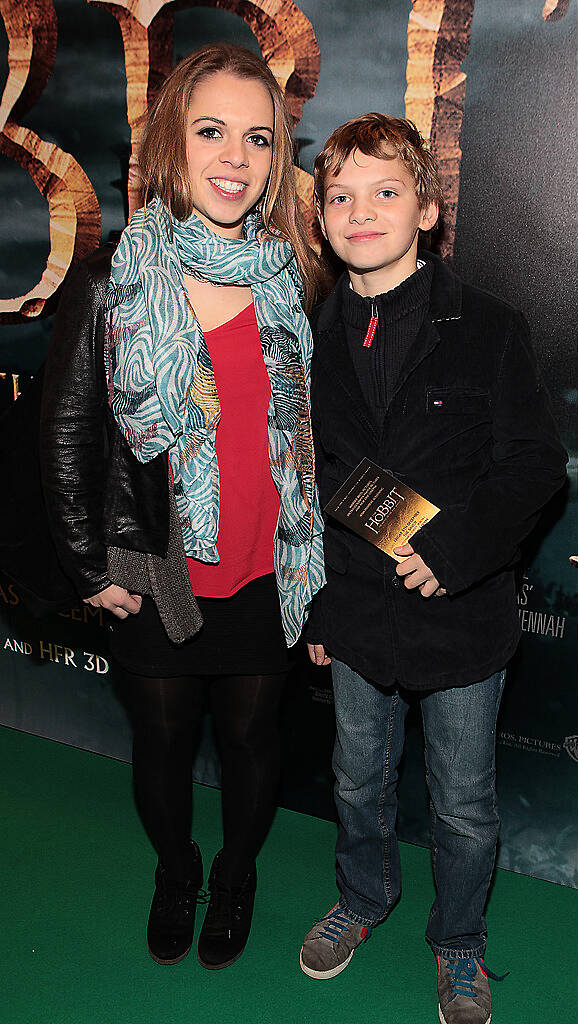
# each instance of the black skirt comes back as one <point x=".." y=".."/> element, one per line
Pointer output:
<point x="241" y="635"/>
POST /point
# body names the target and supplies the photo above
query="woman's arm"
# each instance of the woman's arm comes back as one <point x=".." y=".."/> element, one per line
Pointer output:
<point x="73" y="443"/>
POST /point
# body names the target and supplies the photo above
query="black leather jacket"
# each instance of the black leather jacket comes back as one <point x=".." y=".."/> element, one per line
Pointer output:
<point x="96" y="492"/>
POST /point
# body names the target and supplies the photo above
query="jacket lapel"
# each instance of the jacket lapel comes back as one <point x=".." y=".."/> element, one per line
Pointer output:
<point x="426" y="341"/>
<point x="336" y="363"/>
<point x="445" y="304"/>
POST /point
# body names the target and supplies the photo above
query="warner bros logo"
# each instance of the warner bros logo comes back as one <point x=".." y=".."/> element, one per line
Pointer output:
<point x="571" y="747"/>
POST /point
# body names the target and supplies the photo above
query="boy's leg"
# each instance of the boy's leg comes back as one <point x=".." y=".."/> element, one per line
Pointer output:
<point x="368" y="748"/>
<point x="460" y="746"/>
<point x="460" y="750"/>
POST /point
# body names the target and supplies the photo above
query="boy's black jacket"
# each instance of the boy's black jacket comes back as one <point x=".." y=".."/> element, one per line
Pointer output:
<point x="469" y="427"/>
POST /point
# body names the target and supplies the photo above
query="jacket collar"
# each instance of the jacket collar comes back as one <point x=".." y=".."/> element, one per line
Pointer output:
<point x="331" y="346"/>
<point x="446" y="291"/>
<point x="445" y="297"/>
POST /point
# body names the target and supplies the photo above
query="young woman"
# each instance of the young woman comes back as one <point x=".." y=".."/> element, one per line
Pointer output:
<point x="195" y="355"/>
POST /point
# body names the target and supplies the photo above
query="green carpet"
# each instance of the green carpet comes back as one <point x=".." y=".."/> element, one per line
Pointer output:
<point x="76" y="887"/>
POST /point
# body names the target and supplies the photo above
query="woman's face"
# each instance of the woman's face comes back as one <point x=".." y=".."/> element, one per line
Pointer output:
<point x="230" y="127"/>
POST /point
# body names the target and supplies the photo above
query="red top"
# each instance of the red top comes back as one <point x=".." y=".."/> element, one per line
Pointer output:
<point x="249" y="503"/>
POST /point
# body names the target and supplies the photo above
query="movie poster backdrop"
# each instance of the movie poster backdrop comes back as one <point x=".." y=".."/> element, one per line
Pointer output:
<point x="493" y="88"/>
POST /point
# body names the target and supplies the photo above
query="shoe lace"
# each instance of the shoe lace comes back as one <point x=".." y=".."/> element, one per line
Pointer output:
<point x="226" y="903"/>
<point x="462" y="972"/>
<point x="170" y="896"/>
<point x="221" y="905"/>
<point x="335" y="924"/>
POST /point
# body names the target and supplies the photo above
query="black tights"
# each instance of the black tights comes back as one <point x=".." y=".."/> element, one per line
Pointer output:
<point x="166" y="715"/>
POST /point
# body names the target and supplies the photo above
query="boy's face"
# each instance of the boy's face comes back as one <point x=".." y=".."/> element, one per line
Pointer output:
<point x="371" y="219"/>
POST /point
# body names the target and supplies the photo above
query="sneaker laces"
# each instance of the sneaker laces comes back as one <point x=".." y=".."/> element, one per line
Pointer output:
<point x="335" y="924"/>
<point x="462" y="972"/>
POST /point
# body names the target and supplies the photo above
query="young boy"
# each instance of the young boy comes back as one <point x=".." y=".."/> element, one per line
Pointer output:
<point x="436" y="382"/>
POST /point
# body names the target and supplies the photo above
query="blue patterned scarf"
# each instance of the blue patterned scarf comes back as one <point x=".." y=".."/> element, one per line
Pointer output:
<point x="161" y="385"/>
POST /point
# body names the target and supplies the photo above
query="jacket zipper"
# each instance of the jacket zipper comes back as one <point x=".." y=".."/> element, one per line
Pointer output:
<point x="370" y="335"/>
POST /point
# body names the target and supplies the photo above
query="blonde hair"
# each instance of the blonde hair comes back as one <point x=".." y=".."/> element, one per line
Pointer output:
<point x="163" y="150"/>
<point x="378" y="135"/>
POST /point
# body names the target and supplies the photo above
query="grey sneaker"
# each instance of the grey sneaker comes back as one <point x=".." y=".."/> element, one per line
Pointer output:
<point x="329" y="946"/>
<point x="464" y="991"/>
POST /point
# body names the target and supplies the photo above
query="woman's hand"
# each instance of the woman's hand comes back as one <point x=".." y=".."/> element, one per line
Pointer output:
<point x="116" y="600"/>
<point x="318" y="655"/>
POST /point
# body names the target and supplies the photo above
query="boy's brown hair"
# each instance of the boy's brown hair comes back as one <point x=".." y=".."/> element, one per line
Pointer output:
<point x="384" y="137"/>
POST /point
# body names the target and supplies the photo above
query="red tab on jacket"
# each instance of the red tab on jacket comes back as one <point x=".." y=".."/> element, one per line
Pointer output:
<point x="370" y="335"/>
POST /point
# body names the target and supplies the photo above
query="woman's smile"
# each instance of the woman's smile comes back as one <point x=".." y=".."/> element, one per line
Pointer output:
<point x="230" y="189"/>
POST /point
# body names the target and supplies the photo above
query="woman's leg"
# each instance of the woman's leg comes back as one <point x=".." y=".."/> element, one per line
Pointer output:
<point x="246" y="715"/>
<point x="166" y="714"/>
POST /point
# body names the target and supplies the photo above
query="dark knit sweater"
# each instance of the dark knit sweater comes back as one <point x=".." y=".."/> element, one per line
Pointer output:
<point x="400" y="313"/>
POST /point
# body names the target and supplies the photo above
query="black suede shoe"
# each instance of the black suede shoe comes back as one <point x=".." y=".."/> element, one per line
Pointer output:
<point x="228" y="920"/>
<point x="172" y="914"/>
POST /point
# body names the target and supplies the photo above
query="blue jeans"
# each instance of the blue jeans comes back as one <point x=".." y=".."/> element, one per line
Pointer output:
<point x="460" y="740"/>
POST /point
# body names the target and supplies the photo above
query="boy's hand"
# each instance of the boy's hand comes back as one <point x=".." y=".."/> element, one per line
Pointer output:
<point x="318" y="655"/>
<point x="417" y="572"/>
